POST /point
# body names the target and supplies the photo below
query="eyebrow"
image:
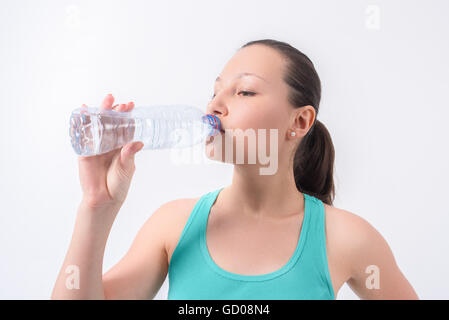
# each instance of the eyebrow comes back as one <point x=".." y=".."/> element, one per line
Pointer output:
<point x="243" y="74"/>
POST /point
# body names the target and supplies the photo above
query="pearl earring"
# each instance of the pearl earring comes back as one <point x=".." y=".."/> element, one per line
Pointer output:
<point x="293" y="133"/>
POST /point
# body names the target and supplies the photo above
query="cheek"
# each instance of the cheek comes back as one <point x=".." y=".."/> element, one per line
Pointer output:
<point x="257" y="115"/>
<point x="266" y="118"/>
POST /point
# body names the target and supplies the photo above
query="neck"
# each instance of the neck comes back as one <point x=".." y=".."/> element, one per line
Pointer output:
<point x="264" y="196"/>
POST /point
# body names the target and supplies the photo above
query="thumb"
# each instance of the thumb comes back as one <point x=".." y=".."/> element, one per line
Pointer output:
<point x="127" y="153"/>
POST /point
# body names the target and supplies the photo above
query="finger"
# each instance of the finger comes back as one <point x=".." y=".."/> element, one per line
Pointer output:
<point x="129" y="106"/>
<point x="121" y="107"/>
<point x="127" y="154"/>
<point x="83" y="106"/>
<point x="107" y="102"/>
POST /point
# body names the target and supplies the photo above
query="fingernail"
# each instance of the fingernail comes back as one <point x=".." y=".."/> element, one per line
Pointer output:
<point x="138" y="147"/>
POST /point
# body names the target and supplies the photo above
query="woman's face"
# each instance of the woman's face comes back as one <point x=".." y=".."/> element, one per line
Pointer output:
<point x="251" y="94"/>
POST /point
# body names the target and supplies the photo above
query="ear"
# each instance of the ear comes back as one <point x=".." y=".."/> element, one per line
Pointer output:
<point x="302" y="120"/>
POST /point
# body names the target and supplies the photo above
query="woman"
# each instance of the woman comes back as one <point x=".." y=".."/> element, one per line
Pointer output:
<point x="266" y="236"/>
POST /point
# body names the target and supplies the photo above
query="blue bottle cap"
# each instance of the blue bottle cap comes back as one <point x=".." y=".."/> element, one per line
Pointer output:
<point x="214" y="123"/>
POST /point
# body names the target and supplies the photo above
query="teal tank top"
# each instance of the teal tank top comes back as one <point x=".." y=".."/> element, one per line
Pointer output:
<point x="193" y="275"/>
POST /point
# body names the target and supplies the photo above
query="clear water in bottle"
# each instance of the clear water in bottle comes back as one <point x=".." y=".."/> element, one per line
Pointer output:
<point x="96" y="131"/>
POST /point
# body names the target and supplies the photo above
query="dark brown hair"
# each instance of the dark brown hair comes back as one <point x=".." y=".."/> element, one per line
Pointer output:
<point x="313" y="164"/>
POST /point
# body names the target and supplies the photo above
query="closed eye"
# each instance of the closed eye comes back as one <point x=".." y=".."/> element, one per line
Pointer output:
<point x="246" y="94"/>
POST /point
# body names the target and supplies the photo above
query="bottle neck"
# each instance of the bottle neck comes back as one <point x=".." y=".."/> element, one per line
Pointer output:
<point x="213" y="122"/>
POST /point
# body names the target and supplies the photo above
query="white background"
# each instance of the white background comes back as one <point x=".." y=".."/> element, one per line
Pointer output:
<point x="384" y="69"/>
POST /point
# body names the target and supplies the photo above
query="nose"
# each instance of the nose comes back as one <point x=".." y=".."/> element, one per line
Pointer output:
<point x="217" y="108"/>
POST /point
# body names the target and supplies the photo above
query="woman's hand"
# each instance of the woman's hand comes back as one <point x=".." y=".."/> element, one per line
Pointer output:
<point x="105" y="178"/>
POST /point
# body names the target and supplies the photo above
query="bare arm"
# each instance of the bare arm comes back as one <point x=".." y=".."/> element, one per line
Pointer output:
<point x="81" y="274"/>
<point x="138" y="275"/>
<point x="374" y="271"/>
<point x="142" y="271"/>
<point x="105" y="180"/>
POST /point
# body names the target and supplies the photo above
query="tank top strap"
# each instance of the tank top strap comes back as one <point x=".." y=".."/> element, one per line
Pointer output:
<point x="315" y="252"/>
<point x="203" y="208"/>
<point x="191" y="233"/>
<point x="317" y="223"/>
<point x="208" y="200"/>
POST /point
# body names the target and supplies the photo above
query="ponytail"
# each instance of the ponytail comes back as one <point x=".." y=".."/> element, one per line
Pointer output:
<point x="314" y="162"/>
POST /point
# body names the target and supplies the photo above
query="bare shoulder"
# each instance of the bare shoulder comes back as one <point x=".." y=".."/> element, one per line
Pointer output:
<point x="357" y="251"/>
<point x="130" y="277"/>
<point x="174" y="215"/>
<point x="347" y="225"/>
<point x="349" y="237"/>
<point x="346" y="230"/>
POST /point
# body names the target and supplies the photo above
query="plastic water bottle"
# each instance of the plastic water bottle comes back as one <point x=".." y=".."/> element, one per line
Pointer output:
<point x="95" y="131"/>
